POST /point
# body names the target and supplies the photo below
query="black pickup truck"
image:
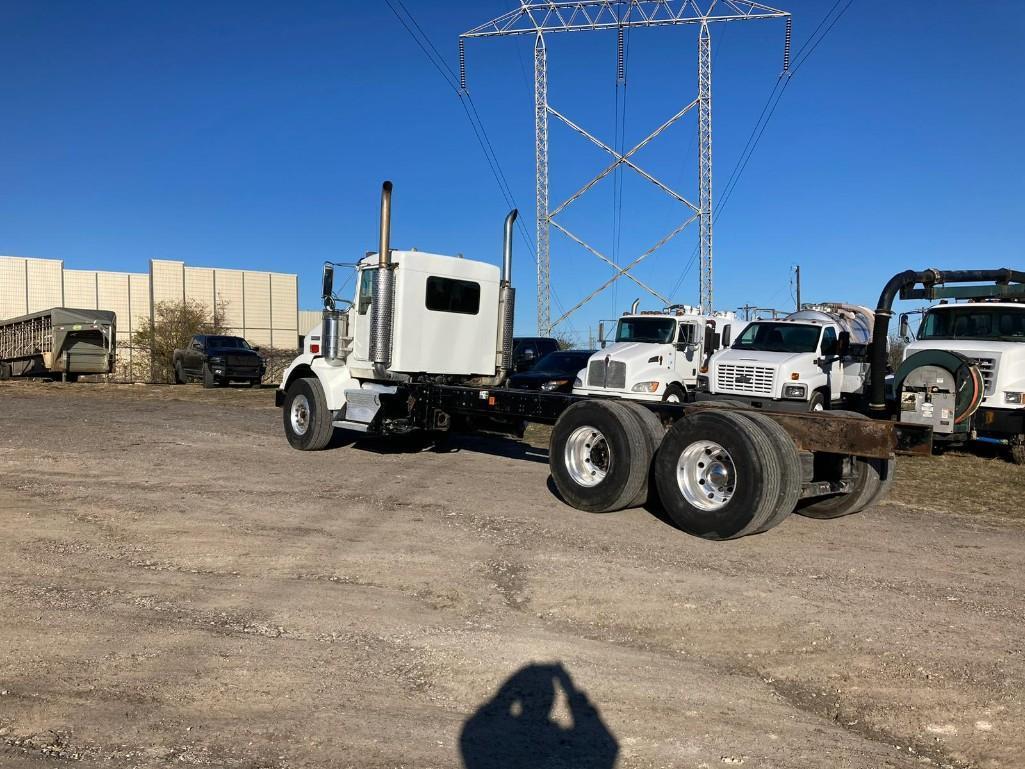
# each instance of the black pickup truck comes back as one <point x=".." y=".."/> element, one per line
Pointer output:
<point x="218" y="360"/>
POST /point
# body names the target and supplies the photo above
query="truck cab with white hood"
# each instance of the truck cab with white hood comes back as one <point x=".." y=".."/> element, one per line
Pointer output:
<point x="808" y="361"/>
<point x="656" y="355"/>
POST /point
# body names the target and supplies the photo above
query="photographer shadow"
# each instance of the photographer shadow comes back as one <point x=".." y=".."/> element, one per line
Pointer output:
<point x="515" y="728"/>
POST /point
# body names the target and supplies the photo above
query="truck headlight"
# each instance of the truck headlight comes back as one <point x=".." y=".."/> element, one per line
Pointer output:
<point x="578" y="382"/>
<point x="1016" y="398"/>
<point x="645" y="387"/>
<point x="795" y="391"/>
<point x="702" y="384"/>
<point x="554" y="384"/>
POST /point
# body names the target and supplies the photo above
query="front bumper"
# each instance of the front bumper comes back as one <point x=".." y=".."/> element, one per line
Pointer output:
<point x="999" y="423"/>
<point x="604" y="392"/>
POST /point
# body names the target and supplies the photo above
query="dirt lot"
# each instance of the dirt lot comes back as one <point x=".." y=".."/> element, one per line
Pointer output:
<point x="182" y="588"/>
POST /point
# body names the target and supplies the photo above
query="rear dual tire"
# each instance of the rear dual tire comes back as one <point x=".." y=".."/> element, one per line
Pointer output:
<point x="720" y="475"/>
<point x="600" y="454"/>
<point x="870" y="483"/>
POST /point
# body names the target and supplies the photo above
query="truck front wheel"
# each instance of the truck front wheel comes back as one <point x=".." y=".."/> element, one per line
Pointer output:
<point x="1018" y="450"/>
<point x="306" y="416"/>
<point x="674" y="394"/>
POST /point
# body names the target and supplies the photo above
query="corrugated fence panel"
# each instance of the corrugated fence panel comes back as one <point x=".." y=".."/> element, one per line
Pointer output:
<point x="113" y="294"/>
<point x="229" y="291"/>
<point x="308" y="319"/>
<point x="168" y="280"/>
<point x="12" y="287"/>
<point x="257" y="301"/>
<point x="199" y="285"/>
<point x="80" y="289"/>
<point x="139" y="293"/>
<point x="284" y="311"/>
<point x="45" y="288"/>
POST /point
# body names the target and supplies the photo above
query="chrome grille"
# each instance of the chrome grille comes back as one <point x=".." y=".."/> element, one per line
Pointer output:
<point x="602" y="373"/>
<point x="988" y="368"/>
<point x="615" y="377"/>
<point x="757" y="380"/>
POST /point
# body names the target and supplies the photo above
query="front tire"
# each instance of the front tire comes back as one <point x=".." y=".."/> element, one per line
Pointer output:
<point x="179" y="375"/>
<point x="305" y="415"/>
<point x="1017" y="451"/>
<point x="817" y="402"/>
<point x="675" y="393"/>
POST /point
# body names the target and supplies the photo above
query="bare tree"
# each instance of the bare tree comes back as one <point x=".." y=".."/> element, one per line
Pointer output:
<point x="172" y="326"/>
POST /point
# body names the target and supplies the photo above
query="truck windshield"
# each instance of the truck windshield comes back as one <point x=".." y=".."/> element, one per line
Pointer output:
<point x="974" y="321"/>
<point x="655" y="330"/>
<point x="226" y="343"/>
<point x="778" y="337"/>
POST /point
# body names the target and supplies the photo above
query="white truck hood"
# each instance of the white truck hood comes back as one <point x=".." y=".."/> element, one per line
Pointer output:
<point x="632" y="352"/>
<point x="758" y="358"/>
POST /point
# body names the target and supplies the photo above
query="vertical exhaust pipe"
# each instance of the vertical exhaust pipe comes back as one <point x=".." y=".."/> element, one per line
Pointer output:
<point x="634" y="306"/>
<point x="384" y="292"/>
<point x="506" y="305"/>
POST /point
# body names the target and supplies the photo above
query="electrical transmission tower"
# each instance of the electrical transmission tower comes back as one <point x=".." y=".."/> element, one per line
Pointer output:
<point x="543" y="18"/>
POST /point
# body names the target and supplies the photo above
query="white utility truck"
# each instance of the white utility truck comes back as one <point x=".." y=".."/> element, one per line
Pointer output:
<point x="425" y="346"/>
<point x="964" y="375"/>
<point x="808" y="361"/>
<point x="656" y="355"/>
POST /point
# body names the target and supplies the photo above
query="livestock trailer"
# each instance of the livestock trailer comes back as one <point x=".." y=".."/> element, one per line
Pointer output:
<point x="59" y="343"/>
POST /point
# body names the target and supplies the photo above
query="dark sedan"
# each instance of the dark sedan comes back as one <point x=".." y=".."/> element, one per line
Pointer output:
<point x="555" y="372"/>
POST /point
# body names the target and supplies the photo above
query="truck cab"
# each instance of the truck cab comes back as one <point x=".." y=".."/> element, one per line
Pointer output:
<point x="656" y="356"/>
<point x="808" y="361"/>
<point x="990" y="334"/>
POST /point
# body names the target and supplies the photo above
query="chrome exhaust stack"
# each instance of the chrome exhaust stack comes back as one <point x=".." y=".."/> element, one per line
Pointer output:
<point x="634" y="306"/>
<point x="334" y="322"/>
<point x="384" y="292"/>
<point x="506" y="301"/>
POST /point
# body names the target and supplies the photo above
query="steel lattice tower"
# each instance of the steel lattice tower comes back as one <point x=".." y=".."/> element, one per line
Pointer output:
<point x="541" y="18"/>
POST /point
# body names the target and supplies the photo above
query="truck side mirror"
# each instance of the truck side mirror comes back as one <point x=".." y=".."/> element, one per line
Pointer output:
<point x="905" y="327"/>
<point x="711" y="340"/>
<point x="844" y="343"/>
<point x="329" y="281"/>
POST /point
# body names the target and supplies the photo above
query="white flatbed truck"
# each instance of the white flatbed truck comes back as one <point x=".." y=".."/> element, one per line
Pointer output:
<point x="425" y="346"/>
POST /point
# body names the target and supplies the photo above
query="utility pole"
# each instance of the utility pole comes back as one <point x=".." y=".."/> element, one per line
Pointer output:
<point x="747" y="310"/>
<point x="797" y="280"/>
<point x="539" y="18"/>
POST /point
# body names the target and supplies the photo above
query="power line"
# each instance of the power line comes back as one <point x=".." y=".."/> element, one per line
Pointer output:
<point x="476" y="123"/>
<point x="760" y="125"/>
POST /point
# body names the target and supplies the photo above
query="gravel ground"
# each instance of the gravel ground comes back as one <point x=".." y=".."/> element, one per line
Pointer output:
<point x="182" y="588"/>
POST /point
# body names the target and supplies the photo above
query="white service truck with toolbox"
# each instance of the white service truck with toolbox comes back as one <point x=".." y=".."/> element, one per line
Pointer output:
<point x="425" y="346"/>
<point x="656" y="355"/>
<point x="964" y="375"/>
<point x="810" y="360"/>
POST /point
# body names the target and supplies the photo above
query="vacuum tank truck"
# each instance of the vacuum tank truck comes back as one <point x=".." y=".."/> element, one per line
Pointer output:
<point x="810" y="360"/>
<point x="425" y="346"/>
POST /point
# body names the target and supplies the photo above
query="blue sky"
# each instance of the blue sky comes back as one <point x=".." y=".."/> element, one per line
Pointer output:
<point x="256" y="135"/>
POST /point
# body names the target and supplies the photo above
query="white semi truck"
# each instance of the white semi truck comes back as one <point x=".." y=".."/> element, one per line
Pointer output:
<point x="808" y="361"/>
<point x="425" y="346"/>
<point x="656" y="356"/>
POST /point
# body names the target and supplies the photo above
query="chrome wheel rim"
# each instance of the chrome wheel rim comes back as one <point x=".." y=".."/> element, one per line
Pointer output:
<point x="672" y="398"/>
<point x="300" y="415"/>
<point x="587" y="456"/>
<point x="706" y="475"/>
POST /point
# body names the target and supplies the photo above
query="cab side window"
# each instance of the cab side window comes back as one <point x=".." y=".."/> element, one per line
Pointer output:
<point x="829" y="343"/>
<point x="366" y="291"/>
